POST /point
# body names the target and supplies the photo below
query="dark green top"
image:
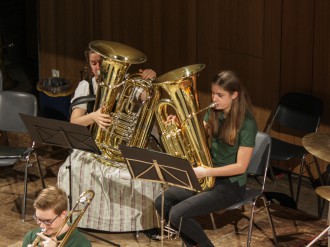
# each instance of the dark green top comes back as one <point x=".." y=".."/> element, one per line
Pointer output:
<point x="224" y="154"/>
<point x="76" y="239"/>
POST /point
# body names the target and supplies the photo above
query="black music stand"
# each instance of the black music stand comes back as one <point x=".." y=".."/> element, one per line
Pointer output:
<point x="62" y="134"/>
<point x="162" y="168"/>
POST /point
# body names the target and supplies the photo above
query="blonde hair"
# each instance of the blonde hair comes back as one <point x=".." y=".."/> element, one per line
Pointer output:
<point x="52" y="198"/>
<point x="229" y="81"/>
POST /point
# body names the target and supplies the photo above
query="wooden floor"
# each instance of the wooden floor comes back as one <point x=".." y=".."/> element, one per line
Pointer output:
<point x="293" y="227"/>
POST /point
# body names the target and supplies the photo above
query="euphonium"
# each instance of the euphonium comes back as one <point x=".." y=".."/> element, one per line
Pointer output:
<point x="189" y="139"/>
<point x="85" y="199"/>
<point x="129" y="101"/>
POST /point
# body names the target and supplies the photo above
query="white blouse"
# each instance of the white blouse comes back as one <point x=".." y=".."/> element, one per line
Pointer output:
<point x="83" y="90"/>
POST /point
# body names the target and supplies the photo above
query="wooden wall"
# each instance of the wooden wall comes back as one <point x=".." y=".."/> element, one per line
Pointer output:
<point x="275" y="46"/>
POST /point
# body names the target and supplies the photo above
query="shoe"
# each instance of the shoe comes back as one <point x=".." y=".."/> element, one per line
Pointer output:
<point x="153" y="234"/>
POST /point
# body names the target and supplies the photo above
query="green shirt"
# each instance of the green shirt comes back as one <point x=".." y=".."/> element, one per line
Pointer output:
<point x="76" y="239"/>
<point x="224" y="154"/>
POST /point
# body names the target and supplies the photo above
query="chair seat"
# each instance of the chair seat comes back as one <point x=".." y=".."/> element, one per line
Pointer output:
<point x="10" y="155"/>
<point x="250" y="196"/>
<point x="285" y="151"/>
<point x="7" y="152"/>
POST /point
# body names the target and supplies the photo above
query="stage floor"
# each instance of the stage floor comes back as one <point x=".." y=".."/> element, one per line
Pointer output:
<point x="293" y="227"/>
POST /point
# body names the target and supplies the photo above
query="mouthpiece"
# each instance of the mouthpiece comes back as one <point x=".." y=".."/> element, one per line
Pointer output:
<point x="214" y="104"/>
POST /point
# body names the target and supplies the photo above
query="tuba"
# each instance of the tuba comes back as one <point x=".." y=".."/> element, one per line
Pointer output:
<point x="130" y="101"/>
<point x="188" y="140"/>
<point x="85" y="199"/>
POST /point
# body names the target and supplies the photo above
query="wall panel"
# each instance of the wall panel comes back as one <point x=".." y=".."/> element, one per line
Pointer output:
<point x="243" y="36"/>
<point x="275" y="46"/>
<point x="65" y="30"/>
<point x="321" y="59"/>
<point x="297" y="46"/>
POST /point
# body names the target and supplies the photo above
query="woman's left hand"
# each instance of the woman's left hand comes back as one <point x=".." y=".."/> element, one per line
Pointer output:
<point x="200" y="171"/>
<point x="147" y="74"/>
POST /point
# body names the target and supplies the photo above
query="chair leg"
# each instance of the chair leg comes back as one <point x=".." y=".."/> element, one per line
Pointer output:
<point x="318" y="170"/>
<point x="251" y="223"/>
<point x="25" y="190"/>
<point x="270" y="219"/>
<point x="320" y="203"/>
<point x="213" y="222"/>
<point x="290" y="185"/>
<point x="272" y="175"/>
<point x="302" y="165"/>
<point x="40" y="172"/>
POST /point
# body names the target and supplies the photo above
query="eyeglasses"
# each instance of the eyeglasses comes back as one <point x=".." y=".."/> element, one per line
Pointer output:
<point x="46" y="222"/>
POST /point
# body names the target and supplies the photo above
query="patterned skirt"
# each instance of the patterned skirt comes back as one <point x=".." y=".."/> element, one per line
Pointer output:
<point x="120" y="204"/>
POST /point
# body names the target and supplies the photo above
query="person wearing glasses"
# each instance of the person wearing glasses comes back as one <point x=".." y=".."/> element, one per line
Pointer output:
<point x="50" y="214"/>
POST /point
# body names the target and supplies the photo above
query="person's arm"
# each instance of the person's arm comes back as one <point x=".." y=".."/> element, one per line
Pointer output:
<point x="79" y="116"/>
<point x="243" y="159"/>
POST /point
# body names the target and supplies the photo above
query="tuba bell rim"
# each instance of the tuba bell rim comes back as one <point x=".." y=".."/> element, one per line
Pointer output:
<point x="117" y="51"/>
<point x="175" y="75"/>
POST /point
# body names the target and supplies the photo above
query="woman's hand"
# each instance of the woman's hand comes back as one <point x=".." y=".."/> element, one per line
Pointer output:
<point x="201" y="171"/>
<point x="102" y="120"/>
<point x="147" y="74"/>
<point x="47" y="241"/>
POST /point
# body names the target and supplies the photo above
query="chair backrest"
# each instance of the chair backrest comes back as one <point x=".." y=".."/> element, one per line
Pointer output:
<point x="11" y="104"/>
<point x="297" y="111"/>
<point x="259" y="162"/>
<point x="81" y="100"/>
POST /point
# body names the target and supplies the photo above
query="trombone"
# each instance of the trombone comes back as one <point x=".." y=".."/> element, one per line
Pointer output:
<point x="85" y="199"/>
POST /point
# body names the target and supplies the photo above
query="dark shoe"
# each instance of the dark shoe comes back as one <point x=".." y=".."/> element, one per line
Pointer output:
<point x="153" y="234"/>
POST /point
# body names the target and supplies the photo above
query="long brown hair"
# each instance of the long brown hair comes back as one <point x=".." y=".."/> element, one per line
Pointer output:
<point x="229" y="81"/>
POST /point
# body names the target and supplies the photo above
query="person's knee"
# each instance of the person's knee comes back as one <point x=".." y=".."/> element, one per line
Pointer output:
<point x="175" y="216"/>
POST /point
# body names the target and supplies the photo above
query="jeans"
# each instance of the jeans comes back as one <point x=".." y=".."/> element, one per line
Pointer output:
<point x="184" y="204"/>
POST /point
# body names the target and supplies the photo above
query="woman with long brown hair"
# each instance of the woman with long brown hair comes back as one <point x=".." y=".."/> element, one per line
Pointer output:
<point x="232" y="129"/>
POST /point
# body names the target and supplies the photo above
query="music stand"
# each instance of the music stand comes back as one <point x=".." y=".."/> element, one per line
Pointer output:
<point x="161" y="168"/>
<point x="62" y="134"/>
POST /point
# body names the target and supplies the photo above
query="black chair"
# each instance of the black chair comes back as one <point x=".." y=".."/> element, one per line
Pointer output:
<point x="11" y="104"/>
<point x="296" y="114"/>
<point x="258" y="167"/>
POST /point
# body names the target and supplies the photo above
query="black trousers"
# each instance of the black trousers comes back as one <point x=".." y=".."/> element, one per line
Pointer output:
<point x="185" y="204"/>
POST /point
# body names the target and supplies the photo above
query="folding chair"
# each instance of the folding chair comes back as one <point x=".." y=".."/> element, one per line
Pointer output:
<point x="296" y="114"/>
<point x="11" y="104"/>
<point x="258" y="167"/>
